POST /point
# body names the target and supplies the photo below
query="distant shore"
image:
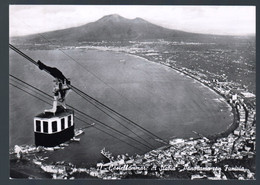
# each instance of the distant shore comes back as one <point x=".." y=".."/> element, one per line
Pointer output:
<point x="212" y="137"/>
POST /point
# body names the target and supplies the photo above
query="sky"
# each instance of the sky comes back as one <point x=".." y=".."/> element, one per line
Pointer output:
<point x="220" y="20"/>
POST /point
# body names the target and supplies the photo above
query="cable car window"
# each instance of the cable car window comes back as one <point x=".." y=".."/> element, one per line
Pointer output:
<point x="54" y="126"/>
<point x="45" y="126"/>
<point x="69" y="121"/>
<point x="38" y="125"/>
<point x="62" y="123"/>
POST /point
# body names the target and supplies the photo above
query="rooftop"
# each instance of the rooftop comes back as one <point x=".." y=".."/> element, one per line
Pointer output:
<point x="61" y="112"/>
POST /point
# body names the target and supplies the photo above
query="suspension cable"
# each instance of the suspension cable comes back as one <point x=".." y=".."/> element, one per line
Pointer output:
<point x="86" y="115"/>
<point x="114" y="119"/>
<point x="76" y="117"/>
<point x="130" y="121"/>
<point x="93" y="105"/>
<point x="74" y="88"/>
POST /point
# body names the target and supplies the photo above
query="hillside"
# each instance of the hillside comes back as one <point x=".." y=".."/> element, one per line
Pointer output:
<point x="111" y="27"/>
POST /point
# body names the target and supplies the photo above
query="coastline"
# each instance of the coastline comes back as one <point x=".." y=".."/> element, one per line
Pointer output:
<point x="234" y="125"/>
<point x="238" y="131"/>
<point x="231" y="127"/>
<point x="234" y="111"/>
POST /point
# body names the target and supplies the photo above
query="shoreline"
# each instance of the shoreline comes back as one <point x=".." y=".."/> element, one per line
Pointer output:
<point x="234" y="125"/>
<point x="229" y="129"/>
<point x="234" y="111"/>
<point x="240" y="120"/>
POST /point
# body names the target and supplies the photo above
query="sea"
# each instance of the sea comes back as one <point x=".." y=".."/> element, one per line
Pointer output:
<point x="156" y="97"/>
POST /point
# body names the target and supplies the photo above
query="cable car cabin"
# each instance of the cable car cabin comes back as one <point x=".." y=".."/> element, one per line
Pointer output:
<point x="52" y="129"/>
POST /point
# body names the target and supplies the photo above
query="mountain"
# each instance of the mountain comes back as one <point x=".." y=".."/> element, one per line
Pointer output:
<point x="110" y="27"/>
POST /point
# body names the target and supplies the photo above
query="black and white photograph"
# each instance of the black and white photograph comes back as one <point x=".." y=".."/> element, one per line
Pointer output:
<point x="132" y="92"/>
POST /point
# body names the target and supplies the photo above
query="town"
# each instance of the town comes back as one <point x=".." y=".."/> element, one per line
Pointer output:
<point x="206" y="157"/>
